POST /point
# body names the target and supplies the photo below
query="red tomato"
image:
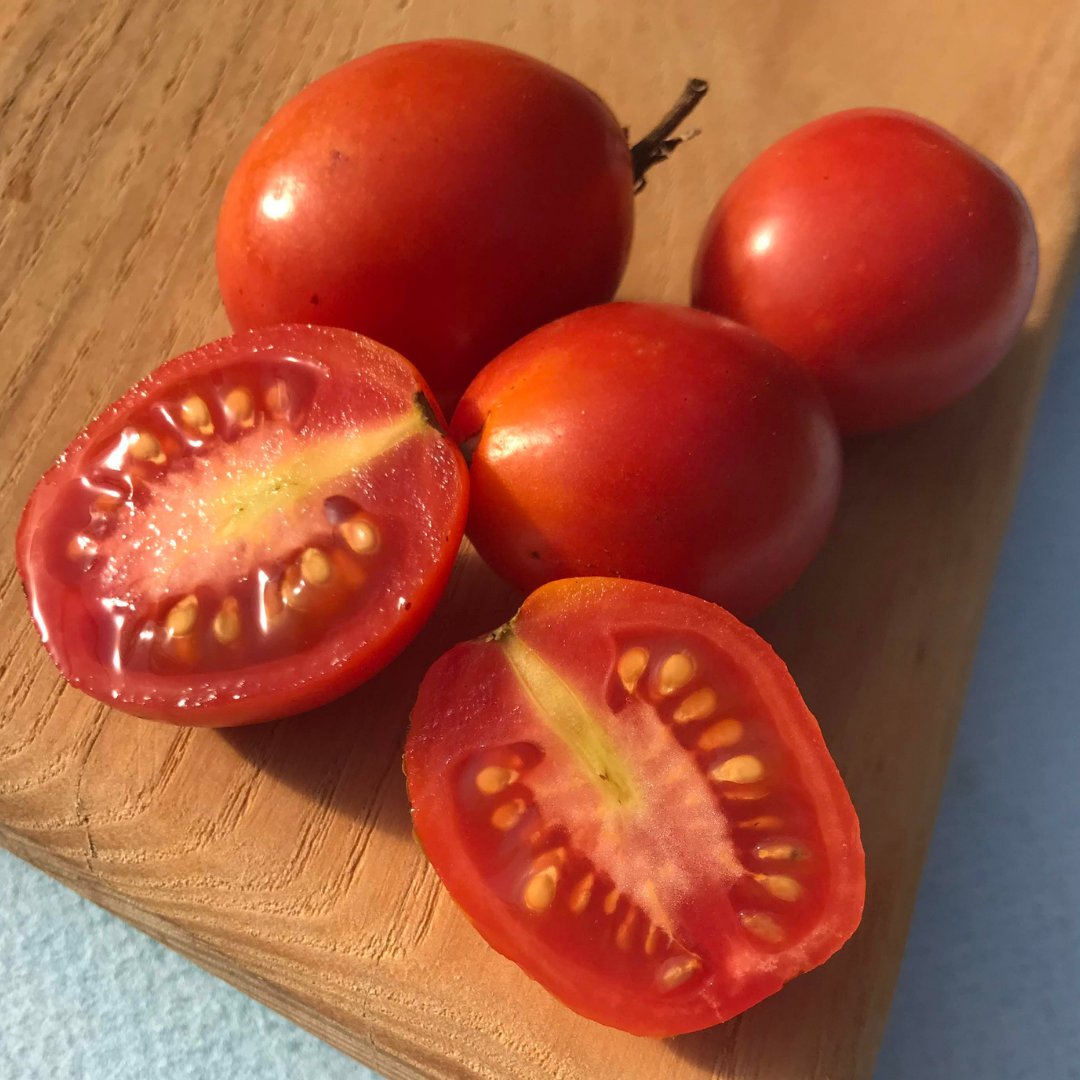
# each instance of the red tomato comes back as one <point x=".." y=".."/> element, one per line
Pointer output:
<point x="253" y="529"/>
<point x="444" y="197"/>
<point x="625" y="793"/>
<point x="887" y="256"/>
<point x="650" y="442"/>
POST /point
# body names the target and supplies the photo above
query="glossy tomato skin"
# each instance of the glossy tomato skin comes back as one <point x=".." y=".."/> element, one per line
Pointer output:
<point x="651" y="442"/>
<point x="444" y="197"/>
<point x="628" y="840"/>
<point x="894" y="261"/>
<point x="112" y="543"/>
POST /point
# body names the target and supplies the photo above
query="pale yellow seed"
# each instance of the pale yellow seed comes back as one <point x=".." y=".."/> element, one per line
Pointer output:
<point x="781" y="886"/>
<point x="611" y="902"/>
<point x="540" y="890"/>
<point x="763" y="926"/>
<point x="277" y="399"/>
<point x="314" y="566"/>
<point x="582" y="893"/>
<point x="194" y="413"/>
<point x="722" y="733"/>
<point x="240" y="406"/>
<point x="675" y="672"/>
<point x="360" y="535"/>
<point x="652" y="939"/>
<point x="494" y="778"/>
<point x="631" y="667"/>
<point x="146" y="448"/>
<point x="624" y="936"/>
<point x="227" y="621"/>
<point x="674" y="972"/>
<point x="764" y="823"/>
<point x="741" y="769"/>
<point x="182" y="618"/>
<point x="780" y="851"/>
<point x="695" y="706"/>
<point x="508" y="815"/>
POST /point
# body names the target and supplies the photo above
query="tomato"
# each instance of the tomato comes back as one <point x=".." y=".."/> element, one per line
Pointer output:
<point x="250" y="531"/>
<point x="895" y="262"/>
<point x="444" y="197"/>
<point x="650" y="442"/>
<point x="624" y="791"/>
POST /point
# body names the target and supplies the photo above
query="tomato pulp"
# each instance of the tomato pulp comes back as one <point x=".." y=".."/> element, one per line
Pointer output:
<point x="895" y="262"/>
<point x="651" y="442"/>
<point x="624" y="791"/>
<point x="444" y="197"/>
<point x="253" y="529"/>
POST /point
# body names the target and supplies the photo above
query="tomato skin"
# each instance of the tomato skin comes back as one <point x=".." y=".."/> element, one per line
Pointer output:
<point x="894" y="261"/>
<point x="365" y="376"/>
<point x="444" y="197"/>
<point x="651" y="442"/>
<point x="467" y="706"/>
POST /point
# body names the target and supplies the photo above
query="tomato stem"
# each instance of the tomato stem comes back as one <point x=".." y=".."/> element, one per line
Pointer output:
<point x="660" y="143"/>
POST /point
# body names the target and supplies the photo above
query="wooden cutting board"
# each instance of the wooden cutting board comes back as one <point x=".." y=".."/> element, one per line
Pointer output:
<point x="280" y="857"/>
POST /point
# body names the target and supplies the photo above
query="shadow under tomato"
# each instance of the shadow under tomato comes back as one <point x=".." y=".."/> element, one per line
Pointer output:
<point x="346" y="755"/>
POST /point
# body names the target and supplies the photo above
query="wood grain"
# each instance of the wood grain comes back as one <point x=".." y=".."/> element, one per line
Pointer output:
<point x="280" y="857"/>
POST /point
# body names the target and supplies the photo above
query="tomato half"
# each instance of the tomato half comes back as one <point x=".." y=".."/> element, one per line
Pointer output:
<point x="444" y="197"/>
<point x="253" y="529"/>
<point x="651" y="442"/>
<point x="624" y="791"/>
<point x="894" y="261"/>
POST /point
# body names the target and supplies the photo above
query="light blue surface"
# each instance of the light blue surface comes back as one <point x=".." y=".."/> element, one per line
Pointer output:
<point x="990" y="988"/>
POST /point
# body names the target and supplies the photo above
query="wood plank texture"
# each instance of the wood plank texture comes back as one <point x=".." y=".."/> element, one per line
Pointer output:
<point x="280" y="857"/>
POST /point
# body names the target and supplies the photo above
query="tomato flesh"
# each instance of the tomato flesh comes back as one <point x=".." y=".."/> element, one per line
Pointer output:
<point x="626" y="794"/>
<point x="253" y="529"/>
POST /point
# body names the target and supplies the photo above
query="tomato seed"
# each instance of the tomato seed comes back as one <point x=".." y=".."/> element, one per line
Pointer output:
<point x="540" y="891"/>
<point x="722" y="733"/>
<point x="277" y="400"/>
<point x="763" y="926"/>
<point x="314" y="566"/>
<point x="182" y="618"/>
<point x="144" y="447"/>
<point x="741" y="769"/>
<point x="781" y="886"/>
<point x="781" y="851"/>
<point x="631" y="666"/>
<point x="227" y="621"/>
<point x="675" y="672"/>
<point x="360" y="534"/>
<point x="623" y="936"/>
<point x="194" y="413"/>
<point x="494" y="778"/>
<point x="611" y="902"/>
<point x="240" y="405"/>
<point x="508" y="815"/>
<point x="696" y="706"/>
<point x="674" y="972"/>
<point x="579" y="898"/>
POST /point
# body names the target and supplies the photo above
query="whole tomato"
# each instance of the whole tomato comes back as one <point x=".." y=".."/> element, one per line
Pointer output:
<point x="443" y="197"/>
<point x="894" y="261"/>
<point x="651" y="442"/>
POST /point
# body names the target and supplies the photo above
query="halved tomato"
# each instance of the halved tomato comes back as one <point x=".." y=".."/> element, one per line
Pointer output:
<point x="253" y="529"/>
<point x="625" y="792"/>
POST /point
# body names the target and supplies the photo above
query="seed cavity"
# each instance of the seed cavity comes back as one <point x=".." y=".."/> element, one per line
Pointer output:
<point x="781" y="886"/>
<point x="360" y="534"/>
<point x="314" y="566"/>
<point x="145" y="447"/>
<point x="721" y="734"/>
<point x="763" y="926"/>
<point x="508" y="815"/>
<point x="631" y="667"/>
<point x="582" y="893"/>
<point x="696" y="706"/>
<point x="540" y="890"/>
<point x="227" y="621"/>
<point x="674" y="972"/>
<point x="741" y="769"/>
<point x="240" y="405"/>
<point x="194" y="413"/>
<point x="493" y="779"/>
<point x="182" y="617"/>
<point x="675" y="672"/>
<point x="780" y="851"/>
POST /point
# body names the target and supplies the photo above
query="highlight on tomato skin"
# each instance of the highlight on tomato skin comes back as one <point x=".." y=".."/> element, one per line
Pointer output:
<point x="625" y="793"/>
<point x="253" y="529"/>
<point x="894" y="261"/>
<point x="651" y="442"/>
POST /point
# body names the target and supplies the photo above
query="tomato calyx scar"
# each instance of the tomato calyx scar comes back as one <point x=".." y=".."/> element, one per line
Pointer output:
<point x="567" y="716"/>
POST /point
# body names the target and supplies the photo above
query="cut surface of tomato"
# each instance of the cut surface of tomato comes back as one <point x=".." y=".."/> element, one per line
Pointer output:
<point x="624" y="791"/>
<point x="253" y="529"/>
